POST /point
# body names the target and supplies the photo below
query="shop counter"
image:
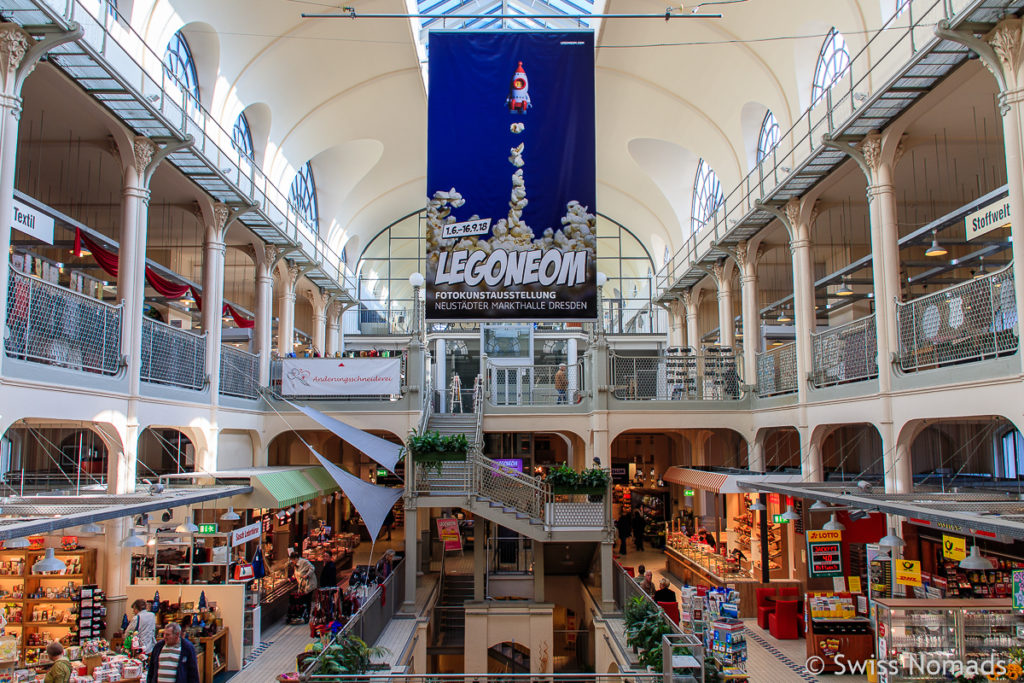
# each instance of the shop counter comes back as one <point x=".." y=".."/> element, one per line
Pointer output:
<point x="274" y="602"/>
<point x="828" y="637"/>
<point x="691" y="571"/>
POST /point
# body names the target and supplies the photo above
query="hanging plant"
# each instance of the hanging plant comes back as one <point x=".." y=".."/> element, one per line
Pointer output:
<point x="430" y="449"/>
<point x="565" y="480"/>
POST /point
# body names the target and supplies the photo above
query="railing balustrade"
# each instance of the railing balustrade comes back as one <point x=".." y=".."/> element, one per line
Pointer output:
<point x="845" y="353"/>
<point x="710" y="376"/>
<point x="172" y="356"/>
<point x="47" y="323"/>
<point x="967" y="322"/>
<point x="239" y="372"/>
<point x="776" y="371"/>
<point x="534" y="385"/>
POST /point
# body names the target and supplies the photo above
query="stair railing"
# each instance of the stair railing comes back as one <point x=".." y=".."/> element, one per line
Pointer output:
<point x="521" y="492"/>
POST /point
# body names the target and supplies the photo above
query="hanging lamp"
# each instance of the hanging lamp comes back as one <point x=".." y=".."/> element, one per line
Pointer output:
<point x="833" y="524"/>
<point x="936" y="249"/>
<point x="975" y="560"/>
<point x="790" y="516"/>
<point x="891" y="540"/>
<point x="757" y="506"/>
<point x="844" y="289"/>
<point x="230" y="515"/>
<point x="187" y="527"/>
<point x="16" y="543"/>
<point x="49" y="563"/>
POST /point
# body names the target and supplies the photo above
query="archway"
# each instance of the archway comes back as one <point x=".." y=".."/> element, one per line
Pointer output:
<point x="36" y="457"/>
<point x="164" y="450"/>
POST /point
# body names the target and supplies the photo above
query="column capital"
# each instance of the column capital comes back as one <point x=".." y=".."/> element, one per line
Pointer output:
<point x="320" y="300"/>
<point x="14" y="43"/>
<point x="1008" y="46"/>
<point x="876" y="156"/>
<point x="289" y="274"/>
<point x="144" y="149"/>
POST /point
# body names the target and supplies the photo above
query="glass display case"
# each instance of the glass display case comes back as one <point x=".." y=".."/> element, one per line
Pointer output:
<point x="920" y="637"/>
<point x="706" y="559"/>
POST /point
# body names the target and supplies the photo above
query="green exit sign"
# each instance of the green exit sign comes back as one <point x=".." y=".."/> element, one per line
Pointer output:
<point x="688" y="492"/>
<point x="382" y="472"/>
<point x="779" y="519"/>
<point x="207" y="528"/>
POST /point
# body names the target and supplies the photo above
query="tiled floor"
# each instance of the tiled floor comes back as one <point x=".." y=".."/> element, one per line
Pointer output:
<point x="768" y="660"/>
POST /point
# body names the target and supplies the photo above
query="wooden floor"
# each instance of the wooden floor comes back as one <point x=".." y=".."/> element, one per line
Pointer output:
<point x="285" y="642"/>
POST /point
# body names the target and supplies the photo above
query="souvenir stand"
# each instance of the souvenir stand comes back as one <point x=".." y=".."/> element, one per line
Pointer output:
<point x="712" y="616"/>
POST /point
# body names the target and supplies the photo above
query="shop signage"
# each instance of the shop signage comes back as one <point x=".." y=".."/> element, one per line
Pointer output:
<point x="988" y="218"/>
<point x="620" y="475"/>
<point x="954" y="548"/>
<point x="824" y="553"/>
<point x="958" y="529"/>
<point x="32" y="222"/>
<point x="245" y="534"/>
<point x="341" y="376"/>
<point x="853" y="584"/>
<point x="508" y="466"/>
<point x="207" y="528"/>
<point x="908" y="572"/>
<point x="448" y="532"/>
<point x="1018" y="589"/>
<point x="511" y="140"/>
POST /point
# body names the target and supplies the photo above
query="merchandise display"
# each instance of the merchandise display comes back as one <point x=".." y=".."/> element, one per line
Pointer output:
<point x="712" y="616"/>
<point x="832" y="626"/>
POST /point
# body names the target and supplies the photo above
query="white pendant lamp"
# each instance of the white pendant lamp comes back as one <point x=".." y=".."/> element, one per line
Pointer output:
<point x="833" y="524"/>
<point x="49" y="563"/>
<point x="820" y="505"/>
<point x="936" y="249"/>
<point x="975" y="561"/>
<point x="17" y="543"/>
<point x="757" y="506"/>
<point x="230" y="516"/>
<point x="891" y="540"/>
<point x="791" y="516"/>
<point x="133" y="541"/>
<point x="187" y="527"/>
<point x="92" y="528"/>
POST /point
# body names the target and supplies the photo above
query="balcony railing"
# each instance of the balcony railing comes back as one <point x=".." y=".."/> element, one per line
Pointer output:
<point x="967" y="322"/>
<point x="534" y="385"/>
<point x="776" y="371"/>
<point x="239" y="372"/>
<point x="845" y="353"/>
<point x="275" y="385"/>
<point x="710" y="376"/>
<point x="172" y="356"/>
<point x="50" y="324"/>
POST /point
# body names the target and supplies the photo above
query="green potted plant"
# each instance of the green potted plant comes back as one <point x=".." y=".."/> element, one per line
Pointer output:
<point x="432" y="449"/>
<point x="562" y="479"/>
<point x="645" y="625"/>
<point x="349" y="654"/>
<point x="593" y="481"/>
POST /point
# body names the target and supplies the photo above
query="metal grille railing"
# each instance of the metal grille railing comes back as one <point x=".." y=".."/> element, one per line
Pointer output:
<point x="275" y="385"/>
<point x="239" y="372"/>
<point x="710" y="376"/>
<point x="47" y="323"/>
<point x="172" y="356"/>
<point x="520" y="491"/>
<point x="776" y="371"/>
<point x="534" y="385"/>
<point x="967" y="322"/>
<point x="845" y="353"/>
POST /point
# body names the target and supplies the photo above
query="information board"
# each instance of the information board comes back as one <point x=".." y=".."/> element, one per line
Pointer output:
<point x="824" y="553"/>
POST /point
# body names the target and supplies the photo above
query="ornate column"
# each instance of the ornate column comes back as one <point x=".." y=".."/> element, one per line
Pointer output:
<point x="747" y="260"/>
<point x="726" y="320"/>
<point x="289" y="274"/>
<point x="265" y="257"/>
<point x="333" y="326"/>
<point x="691" y="302"/>
<point x="215" y="221"/>
<point x="319" y="300"/>
<point x="19" y="54"/>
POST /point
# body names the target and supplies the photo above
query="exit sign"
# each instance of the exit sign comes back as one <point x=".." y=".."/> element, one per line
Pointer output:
<point x="688" y="492"/>
<point x="207" y="528"/>
<point x="381" y="472"/>
<point x="779" y="519"/>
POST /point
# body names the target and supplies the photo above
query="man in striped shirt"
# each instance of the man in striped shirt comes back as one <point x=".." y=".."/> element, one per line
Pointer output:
<point x="173" y="659"/>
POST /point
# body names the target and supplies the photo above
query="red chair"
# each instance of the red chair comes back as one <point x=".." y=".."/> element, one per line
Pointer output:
<point x="629" y="570"/>
<point x="783" y="623"/>
<point x="671" y="610"/>
<point x="764" y="608"/>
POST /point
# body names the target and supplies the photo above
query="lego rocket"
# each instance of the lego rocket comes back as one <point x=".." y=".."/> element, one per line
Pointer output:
<point x="519" y="92"/>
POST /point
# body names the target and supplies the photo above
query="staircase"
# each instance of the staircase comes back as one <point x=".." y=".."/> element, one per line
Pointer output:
<point x="450" y="611"/>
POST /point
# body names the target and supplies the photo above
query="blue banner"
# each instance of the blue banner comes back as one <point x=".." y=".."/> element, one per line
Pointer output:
<point x="511" y="215"/>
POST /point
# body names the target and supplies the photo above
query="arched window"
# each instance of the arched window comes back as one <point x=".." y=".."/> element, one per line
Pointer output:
<point x="1012" y="452"/>
<point x="707" y="195"/>
<point x="769" y="136"/>
<point x="303" y="195"/>
<point x="833" y="62"/>
<point x="179" y="65"/>
<point x="668" y="257"/>
<point x="241" y="137"/>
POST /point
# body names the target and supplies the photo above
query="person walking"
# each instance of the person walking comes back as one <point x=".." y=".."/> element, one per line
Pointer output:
<point x="638" y="530"/>
<point x="173" y="659"/>
<point x="143" y="625"/>
<point x="562" y="384"/>
<point x="625" y="527"/>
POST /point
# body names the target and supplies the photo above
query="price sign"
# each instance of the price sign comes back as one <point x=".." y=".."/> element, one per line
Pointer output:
<point x="824" y="553"/>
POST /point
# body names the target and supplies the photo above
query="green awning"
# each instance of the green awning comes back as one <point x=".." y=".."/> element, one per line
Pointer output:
<point x="322" y="479"/>
<point x="284" y="487"/>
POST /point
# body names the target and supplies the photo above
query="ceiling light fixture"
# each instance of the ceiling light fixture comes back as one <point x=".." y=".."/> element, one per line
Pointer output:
<point x="187" y="527"/>
<point x="133" y="541"/>
<point x="92" y="528"/>
<point x="891" y="540"/>
<point x="230" y="515"/>
<point x="17" y="543"/>
<point x="936" y="249"/>
<point x="833" y="524"/>
<point x="784" y="317"/>
<point x="844" y="289"/>
<point x="757" y="506"/>
<point x="820" y="505"/>
<point x="790" y="516"/>
<point x="49" y="563"/>
<point x="975" y="561"/>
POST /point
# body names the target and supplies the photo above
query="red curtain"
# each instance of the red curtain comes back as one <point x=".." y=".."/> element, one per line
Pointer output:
<point x="239" y="319"/>
<point x="106" y="259"/>
<point x="164" y="286"/>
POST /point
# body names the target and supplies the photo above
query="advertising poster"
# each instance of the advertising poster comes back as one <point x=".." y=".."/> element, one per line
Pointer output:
<point x="341" y="376"/>
<point x="953" y="547"/>
<point x="908" y="572"/>
<point x="448" y="533"/>
<point x="511" y="214"/>
<point x="824" y="555"/>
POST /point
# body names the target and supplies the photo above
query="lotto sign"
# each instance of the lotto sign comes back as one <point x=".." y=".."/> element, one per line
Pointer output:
<point x="908" y="572"/>
<point x="448" y="532"/>
<point x="824" y="553"/>
<point x="954" y="548"/>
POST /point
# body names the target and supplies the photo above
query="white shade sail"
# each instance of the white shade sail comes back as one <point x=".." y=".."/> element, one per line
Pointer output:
<point x="371" y="501"/>
<point x="380" y="450"/>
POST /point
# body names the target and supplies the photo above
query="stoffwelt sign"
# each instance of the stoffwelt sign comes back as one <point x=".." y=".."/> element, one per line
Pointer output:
<point x="988" y="218"/>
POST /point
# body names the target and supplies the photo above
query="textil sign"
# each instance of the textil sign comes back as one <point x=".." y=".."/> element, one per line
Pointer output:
<point x="511" y="214"/>
<point x="341" y="376"/>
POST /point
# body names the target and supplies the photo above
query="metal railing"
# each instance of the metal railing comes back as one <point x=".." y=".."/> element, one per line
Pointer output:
<point x="523" y="492"/>
<point x="239" y="372"/>
<point x="275" y="385"/>
<point x="509" y="556"/>
<point x="373" y="615"/>
<point x="172" y="356"/>
<point x="845" y="353"/>
<point x="967" y="322"/>
<point x="113" y="45"/>
<point x="710" y="376"/>
<point x="886" y="52"/>
<point x="625" y="588"/>
<point x="534" y="385"/>
<point x="47" y="323"/>
<point x="776" y="371"/>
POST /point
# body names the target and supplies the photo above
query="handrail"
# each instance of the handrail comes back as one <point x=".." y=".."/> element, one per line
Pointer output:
<point x="168" y="365"/>
<point x="769" y="173"/>
<point x="211" y="139"/>
<point x="779" y="376"/>
<point x="845" y="353"/>
<point x="478" y="410"/>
